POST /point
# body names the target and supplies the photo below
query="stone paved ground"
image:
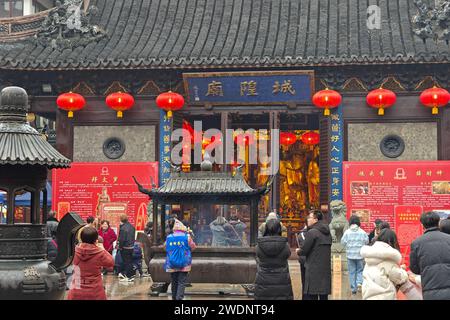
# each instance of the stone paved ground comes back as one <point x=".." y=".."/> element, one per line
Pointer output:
<point x="139" y="289"/>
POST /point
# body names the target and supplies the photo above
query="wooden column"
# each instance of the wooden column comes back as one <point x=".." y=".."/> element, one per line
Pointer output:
<point x="274" y="118"/>
<point x="64" y="134"/>
<point x="224" y="116"/>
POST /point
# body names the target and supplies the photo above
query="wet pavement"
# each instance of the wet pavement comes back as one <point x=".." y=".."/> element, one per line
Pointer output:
<point x="139" y="289"/>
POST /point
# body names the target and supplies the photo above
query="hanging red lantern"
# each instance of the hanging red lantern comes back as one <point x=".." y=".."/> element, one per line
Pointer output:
<point x="327" y="99"/>
<point x="170" y="101"/>
<point x="287" y="138"/>
<point x="244" y="138"/>
<point x="435" y="98"/>
<point x="120" y="101"/>
<point x="310" y="138"/>
<point x="381" y="99"/>
<point x="70" y="102"/>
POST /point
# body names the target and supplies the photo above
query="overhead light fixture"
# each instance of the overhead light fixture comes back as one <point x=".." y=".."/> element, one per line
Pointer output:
<point x="47" y="88"/>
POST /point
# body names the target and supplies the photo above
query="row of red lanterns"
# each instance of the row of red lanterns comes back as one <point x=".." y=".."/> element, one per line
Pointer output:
<point x="325" y="99"/>
<point x="309" y="138"/>
<point x="120" y="102"/>
<point x="382" y="99"/>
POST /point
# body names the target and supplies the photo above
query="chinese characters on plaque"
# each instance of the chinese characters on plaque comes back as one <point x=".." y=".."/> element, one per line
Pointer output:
<point x="336" y="153"/>
<point x="249" y="87"/>
<point x="165" y="127"/>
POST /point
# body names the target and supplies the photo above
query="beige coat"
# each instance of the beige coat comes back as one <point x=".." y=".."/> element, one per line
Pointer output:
<point x="382" y="272"/>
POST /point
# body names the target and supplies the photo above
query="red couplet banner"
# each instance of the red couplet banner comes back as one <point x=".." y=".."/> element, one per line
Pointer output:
<point x="104" y="190"/>
<point x="397" y="192"/>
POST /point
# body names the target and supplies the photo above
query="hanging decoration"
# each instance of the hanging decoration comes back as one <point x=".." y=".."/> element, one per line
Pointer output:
<point x="310" y="138"/>
<point x="70" y="102"/>
<point x="120" y="101"/>
<point x="381" y="99"/>
<point x="287" y="138"/>
<point x="170" y="101"/>
<point x="435" y="98"/>
<point x="327" y="99"/>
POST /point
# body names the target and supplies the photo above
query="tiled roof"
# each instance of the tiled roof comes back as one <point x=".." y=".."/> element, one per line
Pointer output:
<point x="237" y="33"/>
<point x="202" y="183"/>
<point x="20" y="148"/>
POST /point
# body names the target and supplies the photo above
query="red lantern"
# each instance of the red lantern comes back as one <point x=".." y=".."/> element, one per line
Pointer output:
<point x="120" y="102"/>
<point x="327" y="99"/>
<point x="287" y="138"/>
<point x="247" y="139"/>
<point x="381" y="99"/>
<point x="310" y="138"/>
<point x="435" y="98"/>
<point x="70" y="102"/>
<point x="170" y="101"/>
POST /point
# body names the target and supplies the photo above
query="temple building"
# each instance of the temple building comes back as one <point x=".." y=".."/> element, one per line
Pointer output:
<point x="281" y="52"/>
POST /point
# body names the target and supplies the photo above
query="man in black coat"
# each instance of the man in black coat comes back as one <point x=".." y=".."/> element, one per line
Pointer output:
<point x="317" y="250"/>
<point x="301" y="236"/>
<point x="430" y="257"/>
<point x="126" y="244"/>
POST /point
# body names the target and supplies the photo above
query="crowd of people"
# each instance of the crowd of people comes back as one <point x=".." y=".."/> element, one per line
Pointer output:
<point x="94" y="256"/>
<point x="375" y="265"/>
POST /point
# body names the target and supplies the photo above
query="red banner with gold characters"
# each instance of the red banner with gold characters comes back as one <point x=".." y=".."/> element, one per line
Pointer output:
<point x="104" y="190"/>
<point x="397" y="192"/>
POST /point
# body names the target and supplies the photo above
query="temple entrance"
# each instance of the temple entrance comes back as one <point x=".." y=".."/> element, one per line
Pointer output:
<point x="296" y="187"/>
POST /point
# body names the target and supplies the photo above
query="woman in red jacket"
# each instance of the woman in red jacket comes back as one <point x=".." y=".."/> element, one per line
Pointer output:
<point x="90" y="258"/>
<point x="108" y="235"/>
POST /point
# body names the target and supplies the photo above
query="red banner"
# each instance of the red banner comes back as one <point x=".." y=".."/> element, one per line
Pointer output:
<point x="397" y="192"/>
<point x="104" y="190"/>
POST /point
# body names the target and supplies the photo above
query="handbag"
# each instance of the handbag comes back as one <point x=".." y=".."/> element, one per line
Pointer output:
<point x="411" y="291"/>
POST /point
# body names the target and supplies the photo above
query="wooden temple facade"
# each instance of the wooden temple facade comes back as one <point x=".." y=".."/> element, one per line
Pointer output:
<point x="145" y="46"/>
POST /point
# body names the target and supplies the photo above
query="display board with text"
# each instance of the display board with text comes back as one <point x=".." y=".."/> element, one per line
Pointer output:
<point x="104" y="190"/>
<point x="397" y="192"/>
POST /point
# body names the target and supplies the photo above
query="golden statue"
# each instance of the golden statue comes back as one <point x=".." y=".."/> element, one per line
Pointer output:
<point x="314" y="179"/>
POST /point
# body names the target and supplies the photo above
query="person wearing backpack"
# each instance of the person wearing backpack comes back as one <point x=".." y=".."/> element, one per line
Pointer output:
<point x="178" y="245"/>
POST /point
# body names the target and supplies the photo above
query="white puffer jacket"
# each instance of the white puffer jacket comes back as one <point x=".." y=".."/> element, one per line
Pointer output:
<point x="382" y="272"/>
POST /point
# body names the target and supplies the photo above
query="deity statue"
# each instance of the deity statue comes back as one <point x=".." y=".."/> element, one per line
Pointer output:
<point x="338" y="224"/>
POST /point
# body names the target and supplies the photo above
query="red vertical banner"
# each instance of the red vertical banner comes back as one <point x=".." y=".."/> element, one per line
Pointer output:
<point x="407" y="228"/>
<point x="104" y="190"/>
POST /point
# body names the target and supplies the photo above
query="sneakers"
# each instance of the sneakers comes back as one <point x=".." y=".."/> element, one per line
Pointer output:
<point x="121" y="276"/>
<point x="359" y="287"/>
<point x="131" y="279"/>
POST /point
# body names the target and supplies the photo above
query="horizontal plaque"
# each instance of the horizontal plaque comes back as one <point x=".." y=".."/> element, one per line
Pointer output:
<point x="261" y="87"/>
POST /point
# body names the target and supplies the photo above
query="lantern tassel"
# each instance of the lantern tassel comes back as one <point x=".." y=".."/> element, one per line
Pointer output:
<point x="381" y="111"/>
<point x="435" y="110"/>
<point x="326" y="112"/>
<point x="70" y="114"/>
<point x="119" y="114"/>
<point x="169" y="114"/>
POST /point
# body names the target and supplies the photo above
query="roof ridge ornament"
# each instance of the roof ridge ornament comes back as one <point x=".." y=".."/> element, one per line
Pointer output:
<point x="432" y="22"/>
<point x="67" y="26"/>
